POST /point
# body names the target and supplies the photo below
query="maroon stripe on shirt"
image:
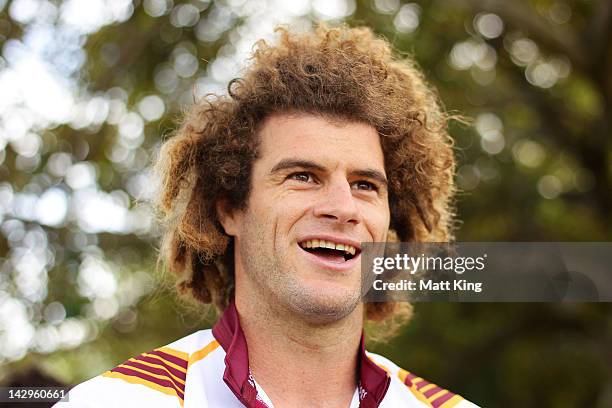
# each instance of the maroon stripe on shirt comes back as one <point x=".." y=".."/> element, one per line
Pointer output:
<point x="409" y="378"/>
<point x="422" y="384"/>
<point x="158" y="371"/>
<point x="442" y="399"/>
<point x="432" y="392"/>
<point x="178" y="361"/>
<point x="180" y="374"/>
<point x="160" y="382"/>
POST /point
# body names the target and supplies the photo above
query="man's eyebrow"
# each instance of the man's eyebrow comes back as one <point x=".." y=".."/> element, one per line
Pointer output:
<point x="307" y="164"/>
<point x="293" y="163"/>
<point x="372" y="174"/>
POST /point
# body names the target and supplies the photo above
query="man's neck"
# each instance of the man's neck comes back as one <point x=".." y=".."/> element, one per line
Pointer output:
<point x="299" y="363"/>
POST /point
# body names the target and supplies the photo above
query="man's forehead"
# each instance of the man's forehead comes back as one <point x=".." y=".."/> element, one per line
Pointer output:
<point x="328" y="141"/>
<point x="305" y="120"/>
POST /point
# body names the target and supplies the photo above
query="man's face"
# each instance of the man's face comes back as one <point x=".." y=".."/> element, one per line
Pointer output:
<point x="317" y="185"/>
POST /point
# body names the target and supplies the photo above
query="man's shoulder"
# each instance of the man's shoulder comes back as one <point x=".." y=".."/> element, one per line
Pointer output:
<point x="157" y="376"/>
<point x="407" y="387"/>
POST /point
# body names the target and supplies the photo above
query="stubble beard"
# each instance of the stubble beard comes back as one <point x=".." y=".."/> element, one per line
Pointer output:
<point x="279" y="284"/>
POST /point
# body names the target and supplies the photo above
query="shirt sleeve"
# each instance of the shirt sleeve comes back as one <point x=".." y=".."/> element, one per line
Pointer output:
<point x="105" y="392"/>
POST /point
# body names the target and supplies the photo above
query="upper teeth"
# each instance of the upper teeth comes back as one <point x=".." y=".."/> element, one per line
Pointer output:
<point x="320" y="243"/>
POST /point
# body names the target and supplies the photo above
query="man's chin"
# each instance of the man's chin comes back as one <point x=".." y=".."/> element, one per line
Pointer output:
<point x="320" y="306"/>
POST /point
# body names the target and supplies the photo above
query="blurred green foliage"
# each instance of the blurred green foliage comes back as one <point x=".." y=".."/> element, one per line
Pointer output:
<point x="534" y="75"/>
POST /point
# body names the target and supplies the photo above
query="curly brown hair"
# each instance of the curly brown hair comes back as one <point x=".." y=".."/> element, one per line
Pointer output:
<point x="346" y="73"/>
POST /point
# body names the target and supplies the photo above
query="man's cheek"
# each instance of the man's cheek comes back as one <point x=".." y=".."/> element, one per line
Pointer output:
<point x="380" y="228"/>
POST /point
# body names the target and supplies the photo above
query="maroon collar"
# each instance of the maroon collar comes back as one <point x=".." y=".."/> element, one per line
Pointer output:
<point x="373" y="380"/>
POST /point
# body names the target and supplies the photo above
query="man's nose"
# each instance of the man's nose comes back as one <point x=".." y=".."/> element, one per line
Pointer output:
<point x="337" y="202"/>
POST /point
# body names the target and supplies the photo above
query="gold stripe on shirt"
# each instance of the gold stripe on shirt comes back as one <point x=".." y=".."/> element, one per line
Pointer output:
<point x="402" y="374"/>
<point x="137" y="380"/>
<point x="452" y="402"/>
<point x="176" y="353"/>
<point x="170" y="363"/>
<point x="203" y="352"/>
<point x="156" y="365"/>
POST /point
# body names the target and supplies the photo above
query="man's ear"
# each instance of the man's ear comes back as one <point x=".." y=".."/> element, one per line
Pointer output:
<point x="228" y="217"/>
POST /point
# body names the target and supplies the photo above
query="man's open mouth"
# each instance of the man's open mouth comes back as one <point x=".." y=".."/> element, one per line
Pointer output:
<point x="330" y="250"/>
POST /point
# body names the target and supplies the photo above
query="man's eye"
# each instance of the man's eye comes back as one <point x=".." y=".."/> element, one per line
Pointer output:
<point x="365" y="185"/>
<point x="302" y="176"/>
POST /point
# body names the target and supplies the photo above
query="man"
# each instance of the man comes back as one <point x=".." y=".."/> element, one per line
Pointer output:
<point x="327" y="141"/>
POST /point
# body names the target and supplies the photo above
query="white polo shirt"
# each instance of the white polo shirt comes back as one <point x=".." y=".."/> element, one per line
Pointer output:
<point x="209" y="369"/>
